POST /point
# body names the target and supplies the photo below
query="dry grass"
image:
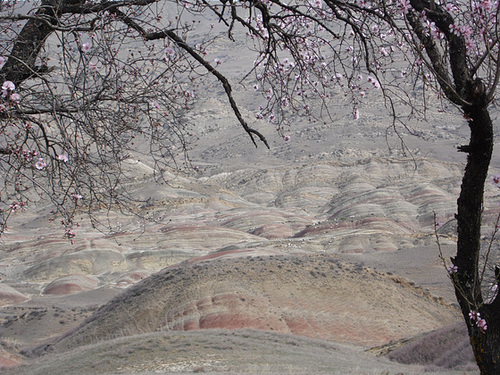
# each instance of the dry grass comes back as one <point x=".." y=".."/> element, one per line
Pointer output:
<point x="216" y="351"/>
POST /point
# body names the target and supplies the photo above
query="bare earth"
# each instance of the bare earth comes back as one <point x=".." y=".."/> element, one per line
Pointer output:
<point x="317" y="256"/>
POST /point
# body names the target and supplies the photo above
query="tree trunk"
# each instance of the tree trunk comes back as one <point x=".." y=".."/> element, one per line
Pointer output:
<point x="485" y="343"/>
<point x="21" y="63"/>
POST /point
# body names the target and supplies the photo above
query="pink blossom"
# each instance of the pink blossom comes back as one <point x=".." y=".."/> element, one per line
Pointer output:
<point x="484" y="5"/>
<point x="373" y="81"/>
<point x="481" y="323"/>
<point x="452" y="269"/>
<point x="355" y="114"/>
<point x="470" y="44"/>
<point x="85" y="47"/>
<point x="286" y="138"/>
<point x="455" y="29"/>
<point x="450" y="7"/>
<point x="40" y="164"/>
<point x="8" y="85"/>
<point x="269" y="94"/>
<point x="404" y="5"/>
<point x="169" y="52"/>
<point x="16" y="206"/>
<point x="77" y="196"/>
<point x="63" y="157"/>
<point x="474" y="315"/>
<point x="363" y="4"/>
<point x="2" y="60"/>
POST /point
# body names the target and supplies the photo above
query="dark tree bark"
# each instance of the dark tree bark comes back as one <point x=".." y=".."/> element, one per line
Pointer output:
<point x="485" y="344"/>
<point x="462" y="88"/>
<point x="22" y="61"/>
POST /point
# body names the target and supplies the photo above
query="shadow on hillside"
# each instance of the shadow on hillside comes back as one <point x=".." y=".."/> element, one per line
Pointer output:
<point x="445" y="348"/>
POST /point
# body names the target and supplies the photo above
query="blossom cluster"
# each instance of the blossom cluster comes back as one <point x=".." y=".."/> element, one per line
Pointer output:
<point x="8" y="88"/>
<point x="68" y="233"/>
<point x="476" y="19"/>
<point x="319" y="58"/>
<point x="29" y="157"/>
<point x="311" y="67"/>
<point x="475" y="316"/>
<point x="452" y="269"/>
<point x="18" y="206"/>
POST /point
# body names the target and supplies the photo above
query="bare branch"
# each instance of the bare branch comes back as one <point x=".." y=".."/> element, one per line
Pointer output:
<point x="225" y="83"/>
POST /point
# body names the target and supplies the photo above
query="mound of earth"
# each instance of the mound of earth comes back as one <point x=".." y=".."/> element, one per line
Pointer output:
<point x="215" y="351"/>
<point x="444" y="348"/>
<point x="313" y="296"/>
<point x="11" y="296"/>
<point x="70" y="285"/>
